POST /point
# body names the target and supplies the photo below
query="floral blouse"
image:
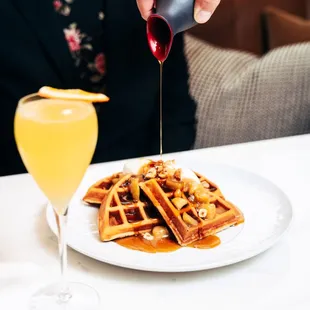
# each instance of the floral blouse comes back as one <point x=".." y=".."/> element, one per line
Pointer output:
<point x="83" y="33"/>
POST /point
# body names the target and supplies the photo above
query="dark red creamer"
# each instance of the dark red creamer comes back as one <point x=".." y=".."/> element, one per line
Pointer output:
<point x="160" y="37"/>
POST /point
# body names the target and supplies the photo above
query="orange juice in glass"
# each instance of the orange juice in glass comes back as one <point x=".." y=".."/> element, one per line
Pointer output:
<point x="56" y="139"/>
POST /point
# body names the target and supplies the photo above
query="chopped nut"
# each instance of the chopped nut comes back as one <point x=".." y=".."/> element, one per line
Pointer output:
<point x="151" y="174"/>
<point x="202" y="195"/>
<point x="211" y="211"/>
<point x="205" y="184"/>
<point x="191" y="198"/>
<point x="178" y="193"/>
<point x="193" y="186"/>
<point x="148" y="236"/>
<point x="189" y="220"/>
<point x="160" y="232"/>
<point x="163" y="174"/>
<point x="177" y="175"/>
<point x="179" y="203"/>
<point x="203" y="206"/>
<point x="186" y="187"/>
<point x="202" y="213"/>
<point x="135" y="189"/>
<point x="174" y="184"/>
<point x="144" y="170"/>
<point x="160" y="168"/>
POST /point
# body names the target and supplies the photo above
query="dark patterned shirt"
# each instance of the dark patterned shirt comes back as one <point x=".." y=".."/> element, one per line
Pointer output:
<point x="83" y="32"/>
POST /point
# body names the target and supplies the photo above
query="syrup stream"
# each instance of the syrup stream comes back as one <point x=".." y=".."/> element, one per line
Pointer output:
<point x="161" y="108"/>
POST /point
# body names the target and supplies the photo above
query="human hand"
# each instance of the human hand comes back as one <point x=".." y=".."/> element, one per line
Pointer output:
<point x="202" y="12"/>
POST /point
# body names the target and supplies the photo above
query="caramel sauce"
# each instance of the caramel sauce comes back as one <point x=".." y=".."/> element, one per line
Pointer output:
<point x="139" y="243"/>
<point x="206" y="243"/>
<point x="165" y="245"/>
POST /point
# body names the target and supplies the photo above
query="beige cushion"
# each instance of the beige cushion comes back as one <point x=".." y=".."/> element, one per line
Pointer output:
<point x="242" y="97"/>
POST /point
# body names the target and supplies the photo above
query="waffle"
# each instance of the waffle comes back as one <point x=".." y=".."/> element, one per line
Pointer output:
<point x="120" y="215"/>
<point x="97" y="192"/>
<point x="195" y="220"/>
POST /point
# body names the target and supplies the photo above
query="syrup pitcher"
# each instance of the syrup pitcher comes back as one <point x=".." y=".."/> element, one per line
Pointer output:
<point x="169" y="18"/>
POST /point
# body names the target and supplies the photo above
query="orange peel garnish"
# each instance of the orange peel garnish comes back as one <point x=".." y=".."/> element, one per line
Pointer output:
<point x="71" y="94"/>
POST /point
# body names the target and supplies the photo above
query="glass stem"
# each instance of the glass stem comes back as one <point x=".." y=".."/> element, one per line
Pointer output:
<point x="64" y="294"/>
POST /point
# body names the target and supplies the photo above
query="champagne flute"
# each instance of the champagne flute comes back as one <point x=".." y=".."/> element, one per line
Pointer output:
<point x="56" y="139"/>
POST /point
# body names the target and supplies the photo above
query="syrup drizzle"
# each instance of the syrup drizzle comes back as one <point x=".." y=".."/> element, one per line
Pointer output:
<point x="161" y="63"/>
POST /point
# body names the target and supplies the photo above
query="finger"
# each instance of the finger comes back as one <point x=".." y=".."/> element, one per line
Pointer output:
<point x="204" y="10"/>
<point x="145" y="7"/>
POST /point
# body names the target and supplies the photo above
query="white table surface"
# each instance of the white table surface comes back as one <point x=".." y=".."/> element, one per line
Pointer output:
<point x="276" y="279"/>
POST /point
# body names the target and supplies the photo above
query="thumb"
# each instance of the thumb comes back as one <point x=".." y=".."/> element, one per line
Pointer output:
<point x="145" y="7"/>
<point x="204" y="10"/>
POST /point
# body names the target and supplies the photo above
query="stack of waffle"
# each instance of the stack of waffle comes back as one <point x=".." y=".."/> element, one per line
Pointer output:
<point x="132" y="204"/>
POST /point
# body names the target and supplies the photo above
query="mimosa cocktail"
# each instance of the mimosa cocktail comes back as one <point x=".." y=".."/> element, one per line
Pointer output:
<point x="56" y="140"/>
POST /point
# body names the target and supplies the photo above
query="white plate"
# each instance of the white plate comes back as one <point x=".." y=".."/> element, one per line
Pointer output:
<point x="267" y="211"/>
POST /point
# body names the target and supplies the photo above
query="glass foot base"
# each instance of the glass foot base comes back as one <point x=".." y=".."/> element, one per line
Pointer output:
<point x="78" y="297"/>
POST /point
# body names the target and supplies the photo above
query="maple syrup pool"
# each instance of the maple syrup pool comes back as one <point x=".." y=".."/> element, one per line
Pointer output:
<point x="139" y="243"/>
